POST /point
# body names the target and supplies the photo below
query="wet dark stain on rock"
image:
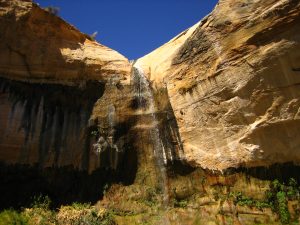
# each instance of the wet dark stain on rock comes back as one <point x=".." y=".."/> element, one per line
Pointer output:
<point x="54" y="113"/>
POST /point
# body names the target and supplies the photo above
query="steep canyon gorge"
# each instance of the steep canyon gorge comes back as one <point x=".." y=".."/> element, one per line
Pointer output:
<point x="182" y="135"/>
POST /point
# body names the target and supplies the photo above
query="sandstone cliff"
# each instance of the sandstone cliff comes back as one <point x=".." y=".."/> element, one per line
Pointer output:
<point x="233" y="82"/>
<point x="51" y="77"/>
<point x="229" y="83"/>
<point x="37" y="46"/>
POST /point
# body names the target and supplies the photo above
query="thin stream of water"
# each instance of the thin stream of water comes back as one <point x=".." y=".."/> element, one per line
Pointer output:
<point x="144" y="94"/>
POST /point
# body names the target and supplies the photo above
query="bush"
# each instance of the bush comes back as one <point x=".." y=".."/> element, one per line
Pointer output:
<point x="81" y="214"/>
<point x="278" y="196"/>
<point x="52" y="9"/>
<point x="240" y="199"/>
<point x="80" y="206"/>
<point x="11" y="217"/>
<point x="41" y="214"/>
<point x="282" y="207"/>
<point x="180" y="203"/>
<point x="41" y="201"/>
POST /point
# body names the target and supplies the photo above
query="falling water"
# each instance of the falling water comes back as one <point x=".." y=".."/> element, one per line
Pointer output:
<point x="105" y="145"/>
<point x="114" y="148"/>
<point x="144" y="95"/>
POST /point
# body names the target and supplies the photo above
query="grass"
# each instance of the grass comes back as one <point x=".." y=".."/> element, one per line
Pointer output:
<point x="41" y="214"/>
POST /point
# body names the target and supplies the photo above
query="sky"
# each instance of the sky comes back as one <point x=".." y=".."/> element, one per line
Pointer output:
<point x="132" y="27"/>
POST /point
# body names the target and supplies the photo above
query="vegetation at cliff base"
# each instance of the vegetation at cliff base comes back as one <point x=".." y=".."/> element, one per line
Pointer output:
<point x="8" y="217"/>
<point x="40" y="214"/>
<point x="276" y="198"/>
<point x="279" y="195"/>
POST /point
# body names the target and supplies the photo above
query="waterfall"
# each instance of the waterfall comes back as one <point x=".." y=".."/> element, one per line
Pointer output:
<point x="146" y="103"/>
<point x="105" y="145"/>
<point x="114" y="157"/>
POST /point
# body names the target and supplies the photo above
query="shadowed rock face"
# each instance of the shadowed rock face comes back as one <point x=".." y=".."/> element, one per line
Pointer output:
<point x="233" y="81"/>
<point x="139" y="120"/>
<point x="52" y="75"/>
<point x="46" y="123"/>
<point x="63" y="185"/>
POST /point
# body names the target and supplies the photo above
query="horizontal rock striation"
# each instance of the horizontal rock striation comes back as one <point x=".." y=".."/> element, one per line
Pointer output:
<point x="233" y="81"/>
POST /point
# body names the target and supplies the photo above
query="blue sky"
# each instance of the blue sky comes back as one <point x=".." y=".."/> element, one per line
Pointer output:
<point x="132" y="27"/>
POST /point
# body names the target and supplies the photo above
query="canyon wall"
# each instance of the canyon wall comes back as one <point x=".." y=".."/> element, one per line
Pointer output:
<point x="233" y="82"/>
<point x="51" y="77"/>
<point x="224" y="93"/>
<point x="37" y="46"/>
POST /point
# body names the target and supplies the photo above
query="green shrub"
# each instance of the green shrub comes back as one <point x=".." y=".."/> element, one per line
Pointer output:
<point x="292" y="190"/>
<point x="180" y="203"/>
<point x="282" y="207"/>
<point x="242" y="200"/>
<point x="77" y="205"/>
<point x="151" y="196"/>
<point x="41" y="201"/>
<point x="94" y="133"/>
<point x="279" y="194"/>
<point x="108" y="219"/>
<point x="11" y="217"/>
<point x="40" y="216"/>
<point x="84" y="214"/>
<point x="53" y="10"/>
<point x="276" y="198"/>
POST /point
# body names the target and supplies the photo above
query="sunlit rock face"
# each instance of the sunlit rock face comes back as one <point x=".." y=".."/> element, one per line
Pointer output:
<point x="51" y="77"/>
<point x="37" y="46"/>
<point x="223" y="94"/>
<point x="233" y="82"/>
<point x="69" y="101"/>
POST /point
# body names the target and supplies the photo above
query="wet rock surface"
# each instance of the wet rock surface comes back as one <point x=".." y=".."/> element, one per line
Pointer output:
<point x="41" y="124"/>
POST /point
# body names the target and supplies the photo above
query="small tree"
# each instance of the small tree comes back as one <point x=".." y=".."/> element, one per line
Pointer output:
<point x="93" y="35"/>
<point x="52" y="9"/>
